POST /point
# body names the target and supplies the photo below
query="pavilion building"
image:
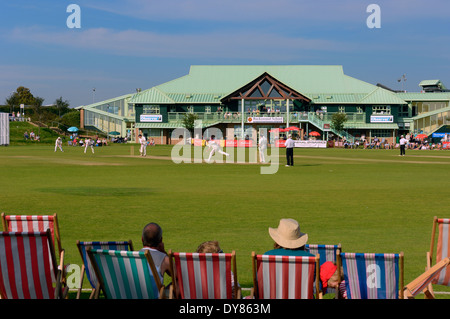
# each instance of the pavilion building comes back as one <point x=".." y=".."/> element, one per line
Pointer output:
<point x="239" y="100"/>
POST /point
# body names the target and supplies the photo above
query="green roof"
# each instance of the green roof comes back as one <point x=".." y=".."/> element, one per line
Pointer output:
<point x="206" y="83"/>
<point x="425" y="96"/>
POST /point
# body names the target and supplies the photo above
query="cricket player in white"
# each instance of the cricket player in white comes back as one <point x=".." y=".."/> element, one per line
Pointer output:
<point x="215" y="147"/>
<point x="88" y="142"/>
<point x="143" y="142"/>
<point x="262" y="148"/>
<point x="58" y="144"/>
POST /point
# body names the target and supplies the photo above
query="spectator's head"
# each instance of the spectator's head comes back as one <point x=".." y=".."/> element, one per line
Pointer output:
<point x="151" y="235"/>
<point x="288" y="234"/>
<point x="209" y="247"/>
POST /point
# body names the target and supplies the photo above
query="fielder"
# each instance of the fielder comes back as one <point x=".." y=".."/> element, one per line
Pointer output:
<point x="215" y="147"/>
<point x="58" y="144"/>
<point x="88" y="142"/>
<point x="143" y="142"/>
<point x="262" y="148"/>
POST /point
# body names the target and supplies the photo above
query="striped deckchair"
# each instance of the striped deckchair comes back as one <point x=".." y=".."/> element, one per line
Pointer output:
<point x="326" y="253"/>
<point x="442" y="251"/>
<point x="421" y="283"/>
<point x="204" y="275"/>
<point x="125" y="274"/>
<point x="33" y="223"/>
<point x="86" y="268"/>
<point x="372" y="276"/>
<point x="285" y="277"/>
<point x="28" y="268"/>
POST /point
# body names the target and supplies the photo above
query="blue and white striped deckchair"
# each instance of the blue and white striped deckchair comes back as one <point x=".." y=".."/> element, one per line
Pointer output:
<point x="372" y="276"/>
<point x="87" y="266"/>
<point x="126" y="274"/>
<point x="326" y="253"/>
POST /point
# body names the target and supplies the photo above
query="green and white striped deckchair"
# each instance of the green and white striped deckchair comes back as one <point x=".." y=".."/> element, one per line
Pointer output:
<point x="125" y="274"/>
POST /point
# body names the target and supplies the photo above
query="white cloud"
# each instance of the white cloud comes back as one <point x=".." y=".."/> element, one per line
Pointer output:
<point x="244" y="45"/>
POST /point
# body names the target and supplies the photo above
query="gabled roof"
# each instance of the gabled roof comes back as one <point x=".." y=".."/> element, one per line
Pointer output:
<point x="152" y="95"/>
<point x="206" y="83"/>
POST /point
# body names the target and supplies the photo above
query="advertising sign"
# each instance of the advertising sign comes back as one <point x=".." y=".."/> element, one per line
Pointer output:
<point x="151" y="118"/>
<point x="275" y="119"/>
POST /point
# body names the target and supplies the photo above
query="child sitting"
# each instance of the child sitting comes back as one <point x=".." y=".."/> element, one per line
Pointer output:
<point x="330" y="278"/>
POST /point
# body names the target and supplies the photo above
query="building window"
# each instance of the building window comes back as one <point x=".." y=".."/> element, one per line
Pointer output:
<point x="190" y="109"/>
<point x="341" y="109"/>
<point x="208" y="109"/>
<point x="359" y="109"/>
<point x="381" y="109"/>
<point x="151" y="109"/>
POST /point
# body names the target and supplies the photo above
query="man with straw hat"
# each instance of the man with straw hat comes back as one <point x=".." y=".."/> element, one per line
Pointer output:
<point x="289" y="240"/>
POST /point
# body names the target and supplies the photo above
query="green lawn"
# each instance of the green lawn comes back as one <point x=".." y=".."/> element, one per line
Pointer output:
<point x="367" y="200"/>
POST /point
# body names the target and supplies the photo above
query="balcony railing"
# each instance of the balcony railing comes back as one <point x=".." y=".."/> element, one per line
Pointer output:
<point x="294" y="117"/>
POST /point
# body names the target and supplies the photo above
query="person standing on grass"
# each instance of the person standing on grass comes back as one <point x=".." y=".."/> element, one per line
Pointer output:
<point x="289" y="151"/>
<point x="215" y="147"/>
<point x="58" y="144"/>
<point x="143" y="141"/>
<point x="262" y="148"/>
<point x="403" y="142"/>
<point x="88" y="142"/>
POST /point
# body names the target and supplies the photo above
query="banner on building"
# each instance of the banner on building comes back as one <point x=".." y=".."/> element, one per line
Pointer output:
<point x="151" y="118"/>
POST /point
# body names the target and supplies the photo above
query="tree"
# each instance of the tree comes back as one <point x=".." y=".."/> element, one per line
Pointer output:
<point x="61" y="105"/>
<point x="189" y="121"/>
<point x="337" y="121"/>
<point x="37" y="107"/>
<point x="12" y="101"/>
<point x="24" y="96"/>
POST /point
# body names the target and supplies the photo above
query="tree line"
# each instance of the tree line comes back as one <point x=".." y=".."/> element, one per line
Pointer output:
<point x="58" y="114"/>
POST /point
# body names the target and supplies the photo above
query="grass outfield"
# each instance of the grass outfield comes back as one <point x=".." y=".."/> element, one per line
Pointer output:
<point x="367" y="200"/>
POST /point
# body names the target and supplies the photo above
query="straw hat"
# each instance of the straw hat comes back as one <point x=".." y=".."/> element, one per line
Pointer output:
<point x="288" y="234"/>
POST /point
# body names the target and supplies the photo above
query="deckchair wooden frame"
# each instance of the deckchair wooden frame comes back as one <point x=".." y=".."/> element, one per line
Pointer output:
<point x="254" y="290"/>
<point x="401" y="272"/>
<point x="174" y="292"/>
<point x="60" y="290"/>
<point x="101" y="285"/>
<point x="85" y="259"/>
<point x="422" y="282"/>
<point x="429" y="293"/>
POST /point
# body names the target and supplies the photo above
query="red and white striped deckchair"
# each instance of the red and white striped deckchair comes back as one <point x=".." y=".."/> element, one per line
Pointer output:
<point x="442" y="249"/>
<point x="28" y="268"/>
<point x="204" y="275"/>
<point x="33" y="223"/>
<point x="421" y="283"/>
<point x="285" y="277"/>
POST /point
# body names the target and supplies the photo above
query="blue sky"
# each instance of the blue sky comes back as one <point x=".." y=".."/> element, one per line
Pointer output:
<point x="129" y="44"/>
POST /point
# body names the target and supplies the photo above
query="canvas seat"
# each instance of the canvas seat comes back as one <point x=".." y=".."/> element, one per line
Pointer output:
<point x="86" y="269"/>
<point x="204" y="275"/>
<point x="28" y="267"/>
<point x="285" y="277"/>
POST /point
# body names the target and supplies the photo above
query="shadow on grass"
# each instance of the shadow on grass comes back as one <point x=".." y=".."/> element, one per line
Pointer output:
<point x="97" y="191"/>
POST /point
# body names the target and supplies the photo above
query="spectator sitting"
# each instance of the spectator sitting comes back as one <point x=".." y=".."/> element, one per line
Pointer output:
<point x="152" y="240"/>
<point x="213" y="247"/>
<point x="289" y="240"/>
<point x="329" y="277"/>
